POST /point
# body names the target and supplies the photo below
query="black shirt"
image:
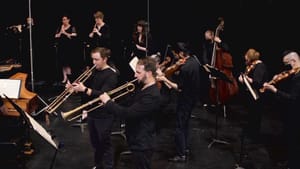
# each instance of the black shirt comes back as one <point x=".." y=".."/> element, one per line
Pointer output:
<point x="103" y="40"/>
<point x="188" y="79"/>
<point x="140" y="117"/>
<point x="101" y="81"/>
<point x="207" y="51"/>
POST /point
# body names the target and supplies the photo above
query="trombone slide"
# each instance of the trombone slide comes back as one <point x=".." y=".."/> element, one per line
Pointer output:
<point x="128" y="87"/>
<point x="68" y="91"/>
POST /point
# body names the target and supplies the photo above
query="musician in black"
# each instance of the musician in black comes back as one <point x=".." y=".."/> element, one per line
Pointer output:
<point x="141" y="40"/>
<point x="208" y="45"/>
<point x="100" y="34"/>
<point x="288" y="98"/>
<point x="66" y="35"/>
<point x="139" y="113"/>
<point x="100" y="121"/>
<point x="205" y="58"/>
<point x="255" y="74"/>
<point x="187" y="83"/>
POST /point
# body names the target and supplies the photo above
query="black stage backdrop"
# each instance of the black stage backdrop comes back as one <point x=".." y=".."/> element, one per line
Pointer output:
<point x="269" y="26"/>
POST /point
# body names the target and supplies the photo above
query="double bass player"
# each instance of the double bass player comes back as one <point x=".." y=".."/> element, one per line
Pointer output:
<point x="215" y="52"/>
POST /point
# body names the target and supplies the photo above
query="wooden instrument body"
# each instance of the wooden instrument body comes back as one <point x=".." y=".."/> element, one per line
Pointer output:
<point x="221" y="91"/>
<point x="28" y="100"/>
<point x="225" y="90"/>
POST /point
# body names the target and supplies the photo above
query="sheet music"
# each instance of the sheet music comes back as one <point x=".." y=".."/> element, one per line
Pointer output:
<point x="41" y="130"/>
<point x="10" y="87"/>
<point x="133" y="63"/>
<point x="253" y="93"/>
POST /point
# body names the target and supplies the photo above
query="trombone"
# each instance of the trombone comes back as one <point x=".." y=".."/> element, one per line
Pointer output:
<point x="68" y="91"/>
<point x="122" y="90"/>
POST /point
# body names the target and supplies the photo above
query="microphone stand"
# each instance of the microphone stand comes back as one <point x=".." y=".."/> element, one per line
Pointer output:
<point x="31" y="51"/>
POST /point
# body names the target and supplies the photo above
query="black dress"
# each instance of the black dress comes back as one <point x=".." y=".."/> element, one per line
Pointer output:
<point x="66" y="48"/>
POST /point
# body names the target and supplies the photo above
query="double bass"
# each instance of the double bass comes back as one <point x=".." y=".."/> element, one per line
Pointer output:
<point x="222" y="91"/>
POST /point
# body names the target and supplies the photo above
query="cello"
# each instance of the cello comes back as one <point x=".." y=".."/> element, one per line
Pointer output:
<point x="222" y="60"/>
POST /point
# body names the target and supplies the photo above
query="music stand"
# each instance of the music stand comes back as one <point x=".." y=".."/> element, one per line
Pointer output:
<point x="33" y="124"/>
<point x="216" y="74"/>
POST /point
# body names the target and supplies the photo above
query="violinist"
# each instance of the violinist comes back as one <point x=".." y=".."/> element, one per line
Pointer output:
<point x="255" y="74"/>
<point x="289" y="99"/>
<point x="186" y="83"/>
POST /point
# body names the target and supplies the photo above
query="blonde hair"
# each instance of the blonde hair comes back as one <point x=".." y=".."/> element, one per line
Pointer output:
<point x="252" y="54"/>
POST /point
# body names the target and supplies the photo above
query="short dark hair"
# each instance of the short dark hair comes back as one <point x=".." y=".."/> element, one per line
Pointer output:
<point x="104" y="52"/>
<point x="286" y="52"/>
<point x="182" y="47"/>
<point x="149" y="64"/>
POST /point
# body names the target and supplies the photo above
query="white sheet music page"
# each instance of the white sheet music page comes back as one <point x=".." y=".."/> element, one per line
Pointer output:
<point x="10" y="87"/>
<point x="41" y="130"/>
<point x="133" y="63"/>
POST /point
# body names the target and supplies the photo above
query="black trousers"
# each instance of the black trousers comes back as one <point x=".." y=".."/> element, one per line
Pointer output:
<point x="292" y="141"/>
<point x="100" y="132"/>
<point x="184" y="109"/>
<point x="142" y="159"/>
<point x="254" y="118"/>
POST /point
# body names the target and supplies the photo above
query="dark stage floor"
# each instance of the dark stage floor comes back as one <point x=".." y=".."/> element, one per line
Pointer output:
<point x="76" y="152"/>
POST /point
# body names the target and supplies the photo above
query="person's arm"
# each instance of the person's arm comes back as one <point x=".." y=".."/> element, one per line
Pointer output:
<point x="291" y="96"/>
<point x="141" y="107"/>
<point x="168" y="82"/>
<point x="58" y="33"/>
<point x="71" y="34"/>
<point x="91" y="34"/>
<point x="3" y="108"/>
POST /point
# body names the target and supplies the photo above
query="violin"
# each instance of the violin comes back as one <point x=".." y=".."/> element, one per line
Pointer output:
<point x="251" y="66"/>
<point x="173" y="68"/>
<point x="281" y="76"/>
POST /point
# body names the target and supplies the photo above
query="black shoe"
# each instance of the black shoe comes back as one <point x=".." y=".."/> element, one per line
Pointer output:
<point x="180" y="159"/>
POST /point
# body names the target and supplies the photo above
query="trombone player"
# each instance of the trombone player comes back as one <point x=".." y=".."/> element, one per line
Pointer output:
<point x="103" y="79"/>
<point x="140" y="113"/>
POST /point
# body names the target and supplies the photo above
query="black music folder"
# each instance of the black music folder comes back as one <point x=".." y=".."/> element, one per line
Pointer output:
<point x="33" y="124"/>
